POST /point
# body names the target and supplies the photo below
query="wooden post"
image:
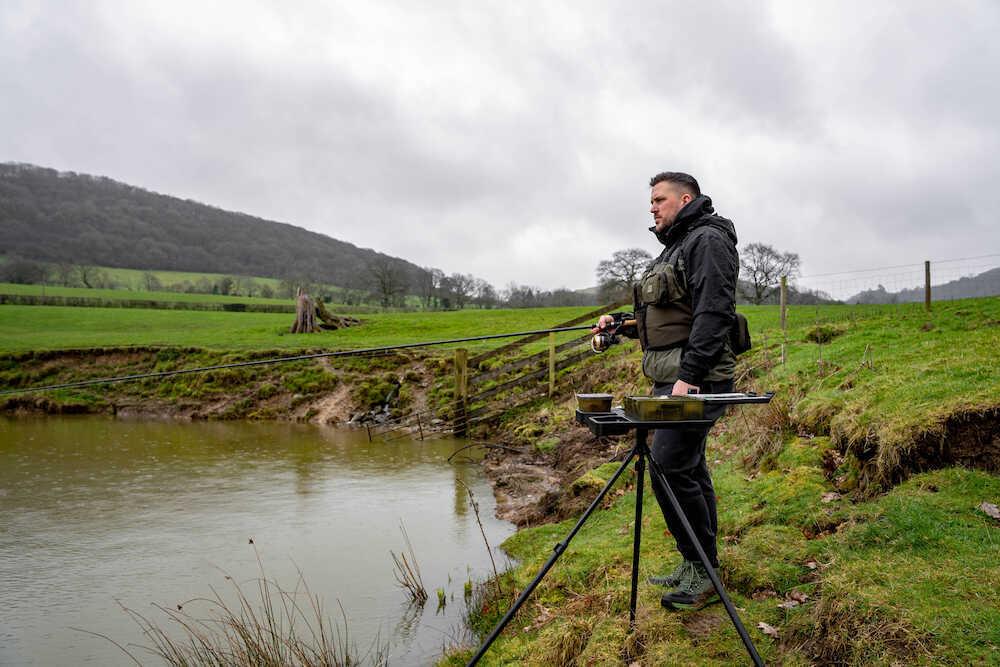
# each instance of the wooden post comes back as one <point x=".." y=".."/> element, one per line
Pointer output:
<point x="420" y="427"/>
<point x="784" y="316"/>
<point x="784" y="302"/>
<point x="461" y="390"/>
<point x="552" y="364"/>
<point x="927" y="286"/>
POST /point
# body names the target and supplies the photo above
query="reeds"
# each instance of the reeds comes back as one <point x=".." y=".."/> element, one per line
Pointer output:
<point x="282" y="627"/>
<point x="407" y="572"/>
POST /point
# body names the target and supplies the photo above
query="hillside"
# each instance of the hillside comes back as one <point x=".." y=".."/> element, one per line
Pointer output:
<point x="66" y="217"/>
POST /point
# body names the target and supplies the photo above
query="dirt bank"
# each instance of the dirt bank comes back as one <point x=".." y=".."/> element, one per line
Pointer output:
<point x="352" y="390"/>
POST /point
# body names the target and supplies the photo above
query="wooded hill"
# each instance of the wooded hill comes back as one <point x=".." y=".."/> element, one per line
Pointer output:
<point x="65" y="217"/>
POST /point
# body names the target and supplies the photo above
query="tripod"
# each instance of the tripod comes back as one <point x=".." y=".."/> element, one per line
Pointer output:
<point x="616" y="423"/>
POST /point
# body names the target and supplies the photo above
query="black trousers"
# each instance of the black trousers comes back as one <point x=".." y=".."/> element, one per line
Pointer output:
<point x="680" y="454"/>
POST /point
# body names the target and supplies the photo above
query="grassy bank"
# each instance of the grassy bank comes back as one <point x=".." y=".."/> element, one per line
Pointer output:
<point x="849" y="517"/>
<point x="42" y="345"/>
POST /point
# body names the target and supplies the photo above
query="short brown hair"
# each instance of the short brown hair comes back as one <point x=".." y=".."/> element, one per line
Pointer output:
<point x="686" y="182"/>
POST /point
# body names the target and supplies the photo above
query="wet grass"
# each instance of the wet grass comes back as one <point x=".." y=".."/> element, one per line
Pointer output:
<point x="841" y="502"/>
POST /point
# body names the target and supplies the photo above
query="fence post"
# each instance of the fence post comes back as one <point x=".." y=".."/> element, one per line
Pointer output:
<point x="552" y="364"/>
<point x="784" y="301"/>
<point x="927" y="286"/>
<point x="784" y="316"/>
<point x="461" y="391"/>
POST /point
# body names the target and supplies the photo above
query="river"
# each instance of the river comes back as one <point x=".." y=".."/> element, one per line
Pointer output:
<point x="97" y="513"/>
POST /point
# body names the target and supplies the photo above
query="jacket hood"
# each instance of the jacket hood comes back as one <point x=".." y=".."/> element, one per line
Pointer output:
<point x="699" y="212"/>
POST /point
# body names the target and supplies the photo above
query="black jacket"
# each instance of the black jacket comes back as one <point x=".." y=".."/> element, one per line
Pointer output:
<point x="708" y="246"/>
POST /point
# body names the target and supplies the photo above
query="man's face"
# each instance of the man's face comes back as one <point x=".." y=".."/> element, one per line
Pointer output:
<point x="665" y="201"/>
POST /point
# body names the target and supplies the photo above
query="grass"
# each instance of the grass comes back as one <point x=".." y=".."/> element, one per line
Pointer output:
<point x="275" y="626"/>
<point x="132" y="295"/>
<point x="24" y="328"/>
<point x="907" y="578"/>
<point x="889" y="385"/>
<point x="841" y="501"/>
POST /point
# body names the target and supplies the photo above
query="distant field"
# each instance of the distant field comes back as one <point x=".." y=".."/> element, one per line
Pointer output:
<point x="133" y="278"/>
<point x="24" y="328"/>
<point x="127" y="294"/>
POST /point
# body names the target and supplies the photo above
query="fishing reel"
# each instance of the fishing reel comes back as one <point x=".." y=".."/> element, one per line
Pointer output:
<point x="602" y="341"/>
<point x="611" y="334"/>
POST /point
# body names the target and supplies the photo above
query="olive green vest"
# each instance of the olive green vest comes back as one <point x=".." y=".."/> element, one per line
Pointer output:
<point x="664" y="316"/>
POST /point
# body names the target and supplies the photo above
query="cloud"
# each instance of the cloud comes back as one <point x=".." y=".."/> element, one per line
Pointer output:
<point x="515" y="141"/>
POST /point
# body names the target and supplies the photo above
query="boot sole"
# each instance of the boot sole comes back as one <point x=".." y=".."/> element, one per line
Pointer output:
<point x="689" y="606"/>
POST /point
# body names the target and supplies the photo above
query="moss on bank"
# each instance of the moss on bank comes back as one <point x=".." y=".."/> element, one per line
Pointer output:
<point x="283" y="391"/>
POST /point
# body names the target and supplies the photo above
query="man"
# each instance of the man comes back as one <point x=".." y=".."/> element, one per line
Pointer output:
<point x="685" y="306"/>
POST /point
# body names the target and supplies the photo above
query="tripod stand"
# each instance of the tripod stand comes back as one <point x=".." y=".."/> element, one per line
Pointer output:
<point x="616" y="423"/>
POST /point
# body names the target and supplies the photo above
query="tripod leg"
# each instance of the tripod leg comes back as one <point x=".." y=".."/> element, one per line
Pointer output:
<point x="654" y="469"/>
<point x="640" y="474"/>
<point x="557" y="551"/>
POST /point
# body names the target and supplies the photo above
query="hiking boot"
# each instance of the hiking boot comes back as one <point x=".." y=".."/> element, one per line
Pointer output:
<point x="674" y="579"/>
<point x="693" y="593"/>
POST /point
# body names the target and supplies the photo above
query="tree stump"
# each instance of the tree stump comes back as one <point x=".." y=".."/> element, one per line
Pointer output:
<point x="311" y="316"/>
<point x="305" y="314"/>
<point x="331" y="321"/>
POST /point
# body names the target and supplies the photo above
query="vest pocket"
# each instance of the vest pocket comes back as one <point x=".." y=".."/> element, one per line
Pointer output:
<point x="664" y="284"/>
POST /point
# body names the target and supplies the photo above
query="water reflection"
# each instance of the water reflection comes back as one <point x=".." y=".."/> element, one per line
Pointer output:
<point x="92" y="510"/>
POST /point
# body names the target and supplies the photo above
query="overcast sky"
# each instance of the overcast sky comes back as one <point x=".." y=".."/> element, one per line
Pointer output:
<point x="515" y="140"/>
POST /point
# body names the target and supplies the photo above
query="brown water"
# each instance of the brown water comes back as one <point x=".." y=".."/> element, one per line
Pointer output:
<point x="94" y="512"/>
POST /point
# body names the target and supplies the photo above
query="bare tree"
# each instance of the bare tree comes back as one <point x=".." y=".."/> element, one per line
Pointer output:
<point x="485" y="294"/>
<point x="462" y="286"/>
<point x="390" y="281"/>
<point x="87" y="275"/>
<point x="521" y="296"/>
<point x="428" y="283"/>
<point x="617" y="275"/>
<point x="66" y="274"/>
<point x="151" y="282"/>
<point x="762" y="267"/>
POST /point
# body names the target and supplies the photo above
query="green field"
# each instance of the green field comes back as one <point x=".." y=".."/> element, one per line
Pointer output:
<point x="829" y="502"/>
<point x="132" y="295"/>
<point x="24" y="328"/>
<point x="134" y="279"/>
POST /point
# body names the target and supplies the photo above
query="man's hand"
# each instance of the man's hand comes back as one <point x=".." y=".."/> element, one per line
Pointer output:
<point x="603" y="323"/>
<point x="682" y="388"/>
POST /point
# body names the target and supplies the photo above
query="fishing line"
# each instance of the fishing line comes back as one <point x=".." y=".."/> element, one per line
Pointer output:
<point x="281" y="360"/>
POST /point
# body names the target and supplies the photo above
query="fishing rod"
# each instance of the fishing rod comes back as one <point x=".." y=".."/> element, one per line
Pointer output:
<point x="280" y="360"/>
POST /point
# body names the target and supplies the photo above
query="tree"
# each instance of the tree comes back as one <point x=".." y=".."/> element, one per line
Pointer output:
<point x="485" y="294"/>
<point x="763" y="267"/>
<point x="87" y="275"/>
<point x="428" y="282"/>
<point x="23" y="271"/>
<point x="390" y="282"/>
<point x="617" y="275"/>
<point x="521" y="296"/>
<point x="461" y="287"/>
<point x="151" y="282"/>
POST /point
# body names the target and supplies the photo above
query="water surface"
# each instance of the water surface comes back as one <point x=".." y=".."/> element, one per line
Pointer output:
<point x="96" y="512"/>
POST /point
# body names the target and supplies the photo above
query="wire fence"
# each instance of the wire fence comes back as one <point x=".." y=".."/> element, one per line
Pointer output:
<point x="949" y="279"/>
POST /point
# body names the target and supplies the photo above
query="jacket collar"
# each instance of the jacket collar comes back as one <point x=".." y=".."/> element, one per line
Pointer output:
<point x="686" y="217"/>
